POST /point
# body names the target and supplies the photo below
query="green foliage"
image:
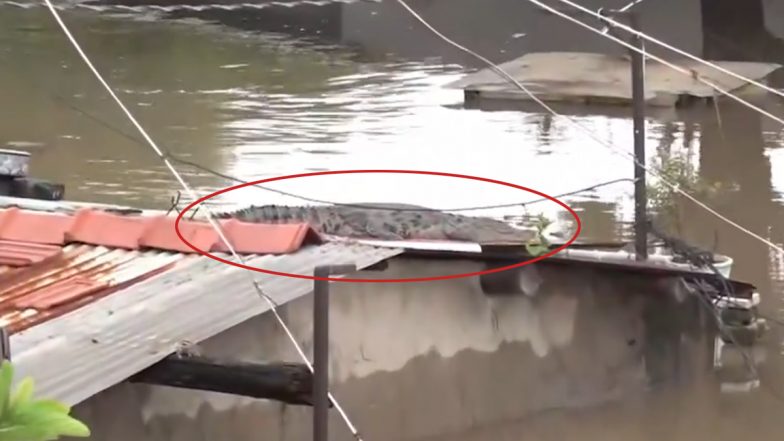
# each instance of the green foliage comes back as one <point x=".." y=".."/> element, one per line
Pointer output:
<point x="664" y="200"/>
<point x="539" y="245"/>
<point x="24" y="419"/>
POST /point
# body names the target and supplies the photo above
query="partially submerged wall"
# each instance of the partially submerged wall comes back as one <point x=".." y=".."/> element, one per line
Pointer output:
<point x="421" y="359"/>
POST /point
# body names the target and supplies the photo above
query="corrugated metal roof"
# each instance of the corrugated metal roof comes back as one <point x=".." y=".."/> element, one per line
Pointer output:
<point x="76" y="355"/>
<point x="16" y="254"/>
<point x="78" y="275"/>
<point x="53" y="263"/>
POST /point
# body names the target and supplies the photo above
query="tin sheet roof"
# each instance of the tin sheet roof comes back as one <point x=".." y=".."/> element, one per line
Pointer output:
<point x="75" y="276"/>
<point x="91" y="297"/>
<point x="55" y="262"/>
<point x="97" y="345"/>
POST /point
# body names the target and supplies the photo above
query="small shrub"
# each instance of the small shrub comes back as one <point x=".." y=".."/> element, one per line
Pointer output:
<point x="539" y="244"/>
<point x="665" y="201"/>
<point x="24" y="419"/>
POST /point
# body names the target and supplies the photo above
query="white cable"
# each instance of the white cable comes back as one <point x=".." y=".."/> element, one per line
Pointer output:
<point x="588" y="131"/>
<point x="672" y="48"/>
<point x="623" y="9"/>
<point x="717" y="88"/>
<point x="630" y="5"/>
<point x="189" y="190"/>
<point x="680" y="69"/>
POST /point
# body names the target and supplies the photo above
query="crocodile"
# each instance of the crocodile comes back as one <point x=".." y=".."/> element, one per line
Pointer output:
<point x="387" y="222"/>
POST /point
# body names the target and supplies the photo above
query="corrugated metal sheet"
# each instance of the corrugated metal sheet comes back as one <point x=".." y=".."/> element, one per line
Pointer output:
<point x="78" y="275"/>
<point x="20" y="254"/>
<point x="101" y="344"/>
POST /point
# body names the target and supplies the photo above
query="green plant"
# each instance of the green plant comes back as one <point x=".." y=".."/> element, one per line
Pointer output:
<point x="665" y="200"/>
<point x="24" y="419"/>
<point x="539" y="245"/>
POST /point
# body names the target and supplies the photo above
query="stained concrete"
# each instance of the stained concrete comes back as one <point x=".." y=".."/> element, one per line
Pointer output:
<point x="592" y="78"/>
<point x="417" y="360"/>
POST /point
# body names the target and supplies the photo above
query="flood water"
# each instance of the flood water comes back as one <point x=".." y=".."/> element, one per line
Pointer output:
<point x="261" y="91"/>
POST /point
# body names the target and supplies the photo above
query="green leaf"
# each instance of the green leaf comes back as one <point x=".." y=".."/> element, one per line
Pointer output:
<point x="25" y="433"/>
<point x="52" y="405"/>
<point x="40" y="421"/>
<point x="6" y="376"/>
<point x="22" y="394"/>
<point x="25" y="419"/>
<point x="53" y="419"/>
<point x="536" y="249"/>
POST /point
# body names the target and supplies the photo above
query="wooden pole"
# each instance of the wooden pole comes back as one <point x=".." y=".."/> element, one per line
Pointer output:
<point x="321" y="347"/>
<point x="290" y="383"/>
<point x="638" y="98"/>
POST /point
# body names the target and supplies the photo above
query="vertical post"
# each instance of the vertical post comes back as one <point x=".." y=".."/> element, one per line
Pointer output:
<point x="320" y="358"/>
<point x="638" y="101"/>
<point x="5" y="344"/>
<point x="321" y="347"/>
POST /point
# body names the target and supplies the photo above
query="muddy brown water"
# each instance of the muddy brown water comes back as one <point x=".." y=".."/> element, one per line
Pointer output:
<point x="257" y="92"/>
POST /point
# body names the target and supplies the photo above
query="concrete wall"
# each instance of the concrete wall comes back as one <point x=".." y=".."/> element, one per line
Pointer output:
<point x="427" y="359"/>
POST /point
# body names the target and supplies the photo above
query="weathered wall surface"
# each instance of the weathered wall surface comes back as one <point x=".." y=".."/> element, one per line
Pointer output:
<point x="428" y="359"/>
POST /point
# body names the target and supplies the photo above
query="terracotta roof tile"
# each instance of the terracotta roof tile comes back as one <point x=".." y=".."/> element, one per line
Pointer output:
<point x="162" y="235"/>
<point x="15" y="254"/>
<point x="27" y="226"/>
<point x="107" y="229"/>
<point x="111" y="230"/>
<point x="51" y="264"/>
<point x="254" y="238"/>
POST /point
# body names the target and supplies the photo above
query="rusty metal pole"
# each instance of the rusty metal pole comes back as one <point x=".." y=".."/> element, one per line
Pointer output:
<point x="638" y="102"/>
<point x="321" y="347"/>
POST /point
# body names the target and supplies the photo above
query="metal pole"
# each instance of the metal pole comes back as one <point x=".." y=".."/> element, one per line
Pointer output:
<point x="638" y="101"/>
<point x="5" y="344"/>
<point x="321" y="347"/>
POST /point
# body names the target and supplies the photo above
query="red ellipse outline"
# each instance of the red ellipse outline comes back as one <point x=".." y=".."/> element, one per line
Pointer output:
<point x="342" y="279"/>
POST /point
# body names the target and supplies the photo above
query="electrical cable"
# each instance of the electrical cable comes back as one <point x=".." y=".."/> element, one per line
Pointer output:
<point x="189" y="190"/>
<point x="656" y="41"/>
<point x="214" y="172"/>
<point x="696" y="76"/>
<point x="675" y="187"/>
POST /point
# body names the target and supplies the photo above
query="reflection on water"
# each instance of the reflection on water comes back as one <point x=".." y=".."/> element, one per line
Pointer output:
<point x="268" y="90"/>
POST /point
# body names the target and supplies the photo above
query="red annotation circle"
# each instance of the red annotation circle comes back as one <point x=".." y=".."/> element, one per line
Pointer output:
<point x="411" y="172"/>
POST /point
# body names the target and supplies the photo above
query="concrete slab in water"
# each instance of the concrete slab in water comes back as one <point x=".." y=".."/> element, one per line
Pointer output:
<point x="599" y="78"/>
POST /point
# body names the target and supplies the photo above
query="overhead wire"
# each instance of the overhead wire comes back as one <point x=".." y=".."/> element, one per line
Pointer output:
<point x="672" y="185"/>
<point x="192" y="194"/>
<point x="495" y="68"/>
<point x="165" y="158"/>
<point x="690" y="72"/>
<point x="630" y="5"/>
<point x="176" y="158"/>
<point x="702" y="295"/>
<point x="670" y="47"/>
